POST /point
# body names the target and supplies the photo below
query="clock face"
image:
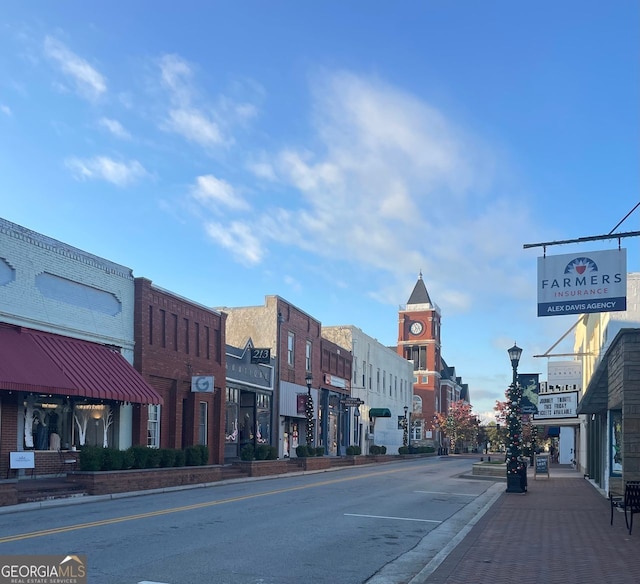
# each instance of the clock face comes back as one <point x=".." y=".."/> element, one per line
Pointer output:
<point x="416" y="328"/>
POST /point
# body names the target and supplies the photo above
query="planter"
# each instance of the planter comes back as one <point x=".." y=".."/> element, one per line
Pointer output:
<point x="263" y="468"/>
<point x="490" y="469"/>
<point x="312" y="462"/>
<point x="124" y="481"/>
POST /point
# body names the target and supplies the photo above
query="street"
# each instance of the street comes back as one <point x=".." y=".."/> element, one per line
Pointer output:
<point x="347" y="526"/>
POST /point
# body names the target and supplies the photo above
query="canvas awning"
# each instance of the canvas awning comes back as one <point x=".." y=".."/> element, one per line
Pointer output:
<point x="596" y="395"/>
<point x="39" y="362"/>
<point x="379" y="413"/>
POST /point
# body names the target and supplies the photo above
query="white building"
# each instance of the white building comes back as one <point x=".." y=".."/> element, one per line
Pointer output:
<point x="383" y="380"/>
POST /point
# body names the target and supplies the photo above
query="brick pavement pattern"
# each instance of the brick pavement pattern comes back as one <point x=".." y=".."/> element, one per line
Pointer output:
<point x="556" y="533"/>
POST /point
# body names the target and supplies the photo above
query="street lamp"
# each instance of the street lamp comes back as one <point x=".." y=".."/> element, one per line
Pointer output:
<point x="405" y="429"/>
<point x="309" y="410"/>
<point x="516" y="469"/>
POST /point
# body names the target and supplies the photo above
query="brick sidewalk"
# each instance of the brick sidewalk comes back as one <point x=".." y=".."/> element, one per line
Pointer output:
<point x="556" y="533"/>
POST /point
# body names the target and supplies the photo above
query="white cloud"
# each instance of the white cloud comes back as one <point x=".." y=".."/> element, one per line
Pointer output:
<point x="194" y="126"/>
<point x="103" y="168"/>
<point x="213" y="192"/>
<point x="6" y="110"/>
<point x="90" y="84"/>
<point x="396" y="186"/>
<point x="239" y="239"/>
<point x="115" y="127"/>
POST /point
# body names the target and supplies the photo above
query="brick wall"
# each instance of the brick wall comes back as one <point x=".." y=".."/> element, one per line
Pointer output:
<point x="175" y="340"/>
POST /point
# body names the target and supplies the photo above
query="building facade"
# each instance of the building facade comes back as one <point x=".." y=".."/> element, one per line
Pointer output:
<point x="66" y="344"/>
<point x="180" y="351"/>
<point x="419" y="342"/>
<point x="382" y="380"/>
<point x="608" y="397"/>
<point x="293" y="337"/>
<point x="249" y="399"/>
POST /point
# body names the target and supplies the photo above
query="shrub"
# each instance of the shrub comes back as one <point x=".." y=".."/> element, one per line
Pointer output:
<point x="320" y="451"/>
<point x="140" y="454"/>
<point x="375" y="449"/>
<point x="247" y="452"/>
<point x="180" y="457"/>
<point x="273" y="453"/>
<point x="403" y="450"/>
<point x="153" y="458"/>
<point x="112" y="459"/>
<point x="167" y="457"/>
<point x="90" y="458"/>
<point x="204" y="454"/>
<point x="302" y="451"/>
<point x="354" y="450"/>
<point x="262" y="451"/>
<point x="194" y="455"/>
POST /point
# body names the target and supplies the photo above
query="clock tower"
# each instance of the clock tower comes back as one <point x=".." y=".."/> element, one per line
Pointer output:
<point x="419" y="341"/>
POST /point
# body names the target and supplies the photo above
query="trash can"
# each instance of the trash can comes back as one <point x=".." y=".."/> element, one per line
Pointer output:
<point x="523" y="476"/>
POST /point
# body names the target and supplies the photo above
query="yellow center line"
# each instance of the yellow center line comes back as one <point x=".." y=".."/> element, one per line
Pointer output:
<point x="78" y="526"/>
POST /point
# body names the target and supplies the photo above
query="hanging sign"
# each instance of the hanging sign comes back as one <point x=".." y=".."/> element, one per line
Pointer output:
<point x="202" y="384"/>
<point x="582" y="283"/>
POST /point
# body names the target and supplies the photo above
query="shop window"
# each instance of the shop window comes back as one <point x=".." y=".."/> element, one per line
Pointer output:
<point x="153" y="427"/>
<point x="202" y="426"/>
<point x="615" y="431"/>
<point x="231" y="423"/>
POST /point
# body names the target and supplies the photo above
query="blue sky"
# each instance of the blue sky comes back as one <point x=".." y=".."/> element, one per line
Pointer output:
<point x="329" y="151"/>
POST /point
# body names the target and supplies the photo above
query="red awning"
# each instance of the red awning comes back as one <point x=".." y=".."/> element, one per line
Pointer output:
<point x="41" y="362"/>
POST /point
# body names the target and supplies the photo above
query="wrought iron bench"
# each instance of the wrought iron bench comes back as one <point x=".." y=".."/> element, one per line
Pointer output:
<point x="629" y="502"/>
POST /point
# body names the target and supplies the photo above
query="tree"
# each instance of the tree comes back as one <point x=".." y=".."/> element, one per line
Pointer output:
<point x="458" y="424"/>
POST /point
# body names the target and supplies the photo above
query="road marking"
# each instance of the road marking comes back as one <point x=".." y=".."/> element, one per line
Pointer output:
<point x="442" y="493"/>
<point x="150" y="582"/>
<point x="114" y="520"/>
<point x="396" y="518"/>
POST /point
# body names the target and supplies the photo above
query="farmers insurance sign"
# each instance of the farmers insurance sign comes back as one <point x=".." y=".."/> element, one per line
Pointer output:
<point x="582" y="283"/>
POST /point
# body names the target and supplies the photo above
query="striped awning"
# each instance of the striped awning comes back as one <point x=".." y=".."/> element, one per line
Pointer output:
<point x="39" y="362"/>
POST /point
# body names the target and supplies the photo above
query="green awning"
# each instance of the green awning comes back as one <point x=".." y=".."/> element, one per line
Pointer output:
<point x="379" y="413"/>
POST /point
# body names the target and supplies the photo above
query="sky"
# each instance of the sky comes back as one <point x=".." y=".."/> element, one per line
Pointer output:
<point x="330" y="152"/>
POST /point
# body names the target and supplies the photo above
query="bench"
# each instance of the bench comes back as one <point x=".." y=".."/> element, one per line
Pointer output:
<point x="629" y="502"/>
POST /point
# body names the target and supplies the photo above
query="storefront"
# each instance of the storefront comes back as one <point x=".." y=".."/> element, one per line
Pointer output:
<point x="612" y="405"/>
<point x="249" y="394"/>
<point x="62" y="393"/>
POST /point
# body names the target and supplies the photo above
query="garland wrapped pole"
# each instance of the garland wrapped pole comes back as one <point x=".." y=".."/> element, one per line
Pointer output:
<point x="516" y="468"/>
<point x="309" y="412"/>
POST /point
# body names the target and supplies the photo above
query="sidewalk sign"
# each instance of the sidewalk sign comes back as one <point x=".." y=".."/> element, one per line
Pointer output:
<point x="541" y="465"/>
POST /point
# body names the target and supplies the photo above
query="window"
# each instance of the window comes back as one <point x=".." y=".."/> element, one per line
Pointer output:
<point x="153" y="427"/>
<point x="355" y="370"/>
<point x="291" y="340"/>
<point x="378" y="380"/>
<point x="202" y="427"/>
<point x="370" y="375"/>
<point x="364" y="374"/>
<point x="418" y="355"/>
<point x="307" y="356"/>
<point x="416" y="429"/>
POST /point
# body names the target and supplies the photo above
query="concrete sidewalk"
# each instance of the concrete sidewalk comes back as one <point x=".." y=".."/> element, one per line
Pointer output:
<point x="556" y="533"/>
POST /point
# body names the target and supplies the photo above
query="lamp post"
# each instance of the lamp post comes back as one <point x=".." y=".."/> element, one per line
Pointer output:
<point x="405" y="429"/>
<point x="309" y="410"/>
<point x="516" y="469"/>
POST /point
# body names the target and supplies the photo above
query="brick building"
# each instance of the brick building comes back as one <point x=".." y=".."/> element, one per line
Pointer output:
<point x="419" y="342"/>
<point x="180" y="352"/>
<point x="294" y="339"/>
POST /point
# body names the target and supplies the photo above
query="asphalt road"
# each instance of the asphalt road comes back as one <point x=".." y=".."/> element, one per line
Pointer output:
<point x="380" y="524"/>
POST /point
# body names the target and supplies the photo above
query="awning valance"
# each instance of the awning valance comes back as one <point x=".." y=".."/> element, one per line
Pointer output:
<point x="39" y="362"/>
<point x="379" y="413"/>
